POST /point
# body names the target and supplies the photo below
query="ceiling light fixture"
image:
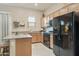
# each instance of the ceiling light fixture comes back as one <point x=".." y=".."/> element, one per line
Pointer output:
<point x="36" y="4"/>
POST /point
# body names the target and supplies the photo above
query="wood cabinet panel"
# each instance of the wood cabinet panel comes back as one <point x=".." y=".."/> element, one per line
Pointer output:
<point x="77" y="8"/>
<point x="37" y="37"/>
<point x="72" y="7"/>
<point x="66" y="9"/>
<point x="23" y="47"/>
<point x="34" y="38"/>
<point x="56" y="14"/>
<point x="63" y="11"/>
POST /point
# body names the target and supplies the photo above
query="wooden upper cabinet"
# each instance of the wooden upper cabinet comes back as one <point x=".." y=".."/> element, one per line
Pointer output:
<point x="77" y="8"/>
<point x="72" y="7"/>
<point x="56" y="14"/>
<point x="52" y="15"/>
<point x="66" y="9"/>
<point x="63" y="11"/>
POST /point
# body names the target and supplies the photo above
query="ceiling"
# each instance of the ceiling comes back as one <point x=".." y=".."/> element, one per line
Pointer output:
<point x="40" y="6"/>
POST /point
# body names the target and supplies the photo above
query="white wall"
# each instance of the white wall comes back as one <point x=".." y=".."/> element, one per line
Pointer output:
<point x="21" y="14"/>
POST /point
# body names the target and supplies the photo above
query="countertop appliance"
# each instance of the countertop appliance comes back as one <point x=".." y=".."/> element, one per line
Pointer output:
<point x="66" y="35"/>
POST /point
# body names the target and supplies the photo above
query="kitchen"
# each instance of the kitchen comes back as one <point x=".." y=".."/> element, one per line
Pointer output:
<point x="27" y="29"/>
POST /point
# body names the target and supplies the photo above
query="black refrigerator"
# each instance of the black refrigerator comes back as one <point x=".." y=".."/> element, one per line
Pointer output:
<point x="66" y="35"/>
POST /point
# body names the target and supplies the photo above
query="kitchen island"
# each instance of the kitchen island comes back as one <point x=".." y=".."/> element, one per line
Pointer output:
<point x="20" y="45"/>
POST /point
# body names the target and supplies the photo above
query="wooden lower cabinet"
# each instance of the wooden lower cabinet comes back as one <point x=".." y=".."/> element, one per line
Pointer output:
<point x="34" y="37"/>
<point x="37" y="37"/>
<point x="23" y="47"/>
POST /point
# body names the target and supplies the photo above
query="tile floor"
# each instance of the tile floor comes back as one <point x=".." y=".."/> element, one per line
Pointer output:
<point x="38" y="49"/>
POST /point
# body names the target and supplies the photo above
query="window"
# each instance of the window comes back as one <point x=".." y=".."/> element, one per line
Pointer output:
<point x="31" y="21"/>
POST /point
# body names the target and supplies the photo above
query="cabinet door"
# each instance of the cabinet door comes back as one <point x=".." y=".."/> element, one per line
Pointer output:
<point x="72" y="7"/>
<point x="34" y="38"/>
<point x="39" y="37"/>
<point x="77" y="8"/>
<point x="56" y="14"/>
<point x="63" y="11"/>
<point x="68" y="46"/>
<point x="23" y="47"/>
